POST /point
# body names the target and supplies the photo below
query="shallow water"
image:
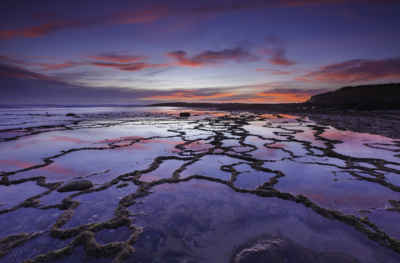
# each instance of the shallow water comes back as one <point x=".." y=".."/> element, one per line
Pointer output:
<point x="194" y="221"/>
<point x="37" y="246"/>
<point x="207" y="188"/>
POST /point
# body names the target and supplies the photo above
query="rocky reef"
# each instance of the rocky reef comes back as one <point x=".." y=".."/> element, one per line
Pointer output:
<point x="215" y="187"/>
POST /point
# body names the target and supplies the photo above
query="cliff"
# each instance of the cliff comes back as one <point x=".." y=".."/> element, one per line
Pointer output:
<point x="381" y="92"/>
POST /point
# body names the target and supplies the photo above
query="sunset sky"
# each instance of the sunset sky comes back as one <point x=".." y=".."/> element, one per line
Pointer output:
<point x="143" y="52"/>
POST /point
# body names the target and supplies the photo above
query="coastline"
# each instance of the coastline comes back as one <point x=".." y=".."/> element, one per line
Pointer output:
<point x="382" y="122"/>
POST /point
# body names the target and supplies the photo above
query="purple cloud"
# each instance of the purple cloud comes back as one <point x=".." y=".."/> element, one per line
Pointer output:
<point x="237" y="54"/>
<point x="356" y="70"/>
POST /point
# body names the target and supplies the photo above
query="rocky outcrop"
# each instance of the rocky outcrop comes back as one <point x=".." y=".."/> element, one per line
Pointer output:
<point x="384" y="92"/>
<point x="75" y="186"/>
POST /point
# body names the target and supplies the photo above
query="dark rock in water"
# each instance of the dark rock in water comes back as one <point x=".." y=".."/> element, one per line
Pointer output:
<point x="184" y="114"/>
<point x="71" y="114"/>
<point x="75" y="186"/>
<point x="122" y="185"/>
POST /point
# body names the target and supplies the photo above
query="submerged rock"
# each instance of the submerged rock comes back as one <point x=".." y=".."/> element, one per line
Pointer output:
<point x="184" y="114"/>
<point x="284" y="250"/>
<point x="122" y="185"/>
<point x="75" y="186"/>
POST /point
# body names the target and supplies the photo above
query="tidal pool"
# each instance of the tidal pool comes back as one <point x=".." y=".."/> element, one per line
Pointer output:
<point x="143" y="185"/>
<point x="202" y="221"/>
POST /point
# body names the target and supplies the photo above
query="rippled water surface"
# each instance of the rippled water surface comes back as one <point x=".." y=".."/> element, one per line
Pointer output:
<point x="143" y="185"/>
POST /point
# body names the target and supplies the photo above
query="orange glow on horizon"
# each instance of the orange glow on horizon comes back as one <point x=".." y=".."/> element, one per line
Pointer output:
<point x="272" y="97"/>
<point x="279" y="97"/>
<point x="188" y="96"/>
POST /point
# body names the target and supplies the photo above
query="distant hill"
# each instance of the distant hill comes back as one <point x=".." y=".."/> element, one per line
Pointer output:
<point x="382" y="92"/>
<point x="356" y="98"/>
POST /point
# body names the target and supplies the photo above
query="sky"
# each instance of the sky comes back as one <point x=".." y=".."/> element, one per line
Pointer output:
<point x="144" y="52"/>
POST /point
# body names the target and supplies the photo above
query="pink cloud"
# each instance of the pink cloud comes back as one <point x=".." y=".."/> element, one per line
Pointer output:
<point x="7" y="71"/>
<point x="110" y="59"/>
<point x="190" y="95"/>
<point x="45" y="66"/>
<point x="156" y="13"/>
<point x="123" y="57"/>
<point x="278" y="57"/>
<point x="356" y="70"/>
<point x="127" y="66"/>
<point x="130" y="17"/>
<point x="275" y="71"/>
<point x="237" y="54"/>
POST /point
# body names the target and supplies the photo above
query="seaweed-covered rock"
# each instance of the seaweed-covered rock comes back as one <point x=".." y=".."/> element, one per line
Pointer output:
<point x="71" y="114"/>
<point x="75" y="186"/>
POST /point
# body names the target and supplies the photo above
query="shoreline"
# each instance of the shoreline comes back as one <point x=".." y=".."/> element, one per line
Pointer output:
<point x="378" y="123"/>
<point x="384" y="123"/>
